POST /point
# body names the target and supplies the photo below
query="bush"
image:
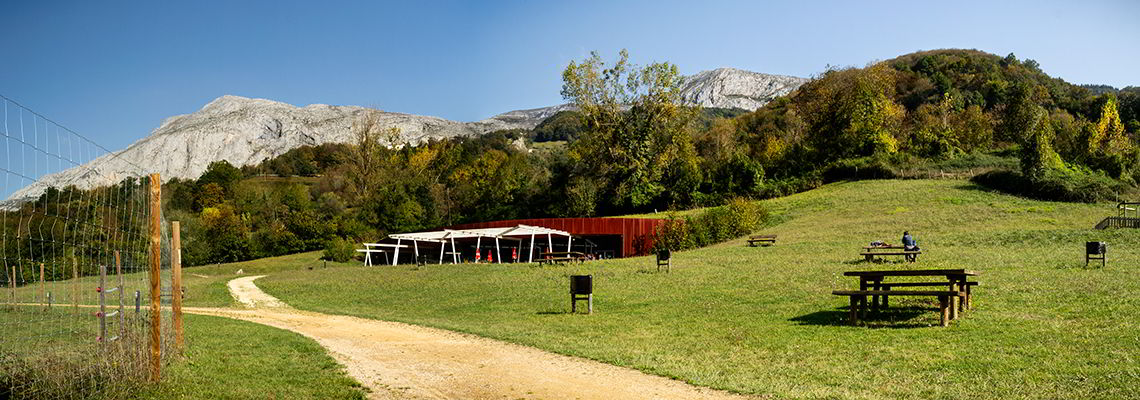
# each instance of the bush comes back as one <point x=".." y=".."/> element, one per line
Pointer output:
<point x="1055" y="184"/>
<point x="858" y="168"/>
<point x="339" y="250"/>
<point x="738" y="218"/>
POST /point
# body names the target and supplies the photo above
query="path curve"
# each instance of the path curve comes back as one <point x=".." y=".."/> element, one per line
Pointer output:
<point x="402" y="361"/>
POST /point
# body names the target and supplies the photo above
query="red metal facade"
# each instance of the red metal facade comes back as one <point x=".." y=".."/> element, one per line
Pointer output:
<point x="636" y="233"/>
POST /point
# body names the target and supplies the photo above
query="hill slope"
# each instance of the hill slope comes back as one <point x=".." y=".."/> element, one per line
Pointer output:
<point x="763" y="321"/>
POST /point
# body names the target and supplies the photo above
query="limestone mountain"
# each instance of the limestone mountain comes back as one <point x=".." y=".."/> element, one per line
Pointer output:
<point x="244" y="131"/>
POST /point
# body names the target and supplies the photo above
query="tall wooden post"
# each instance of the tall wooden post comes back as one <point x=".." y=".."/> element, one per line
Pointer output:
<point x="43" y="288"/>
<point x="74" y="283"/>
<point x="155" y="278"/>
<point x="119" y="274"/>
<point x="176" y="290"/>
<point x="12" y="287"/>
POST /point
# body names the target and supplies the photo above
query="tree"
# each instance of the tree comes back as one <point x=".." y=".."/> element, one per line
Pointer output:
<point x="1108" y="135"/>
<point x="635" y="130"/>
<point x="365" y="161"/>
<point x="222" y="173"/>
<point x="211" y="195"/>
<point x="1037" y="154"/>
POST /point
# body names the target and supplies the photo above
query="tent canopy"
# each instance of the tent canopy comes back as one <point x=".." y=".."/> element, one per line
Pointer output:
<point x="507" y="232"/>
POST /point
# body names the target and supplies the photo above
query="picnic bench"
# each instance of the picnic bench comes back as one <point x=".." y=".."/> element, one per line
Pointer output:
<point x="766" y="240"/>
<point x="956" y="296"/>
<point x="870" y="252"/>
<point x="553" y="257"/>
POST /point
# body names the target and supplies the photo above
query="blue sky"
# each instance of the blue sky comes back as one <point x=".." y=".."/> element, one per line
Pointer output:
<point x="112" y="70"/>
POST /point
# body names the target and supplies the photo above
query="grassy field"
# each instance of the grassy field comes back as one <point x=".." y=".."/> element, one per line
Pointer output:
<point x="225" y="359"/>
<point x="205" y="285"/>
<point x="762" y="320"/>
<point x="230" y="359"/>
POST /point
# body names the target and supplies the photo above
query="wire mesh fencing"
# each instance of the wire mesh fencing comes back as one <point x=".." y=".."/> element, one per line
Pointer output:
<point x="76" y="247"/>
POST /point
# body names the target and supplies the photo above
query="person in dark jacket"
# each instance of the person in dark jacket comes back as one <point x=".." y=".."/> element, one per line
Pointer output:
<point x="909" y="244"/>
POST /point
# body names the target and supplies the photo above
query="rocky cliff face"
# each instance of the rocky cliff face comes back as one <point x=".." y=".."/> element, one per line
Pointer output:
<point x="247" y="131"/>
<point x="719" y="88"/>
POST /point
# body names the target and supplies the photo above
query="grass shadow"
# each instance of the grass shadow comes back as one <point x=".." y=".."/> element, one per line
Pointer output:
<point x="894" y="317"/>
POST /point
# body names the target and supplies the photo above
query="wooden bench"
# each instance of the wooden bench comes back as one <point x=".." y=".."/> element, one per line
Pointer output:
<point x="552" y="257"/>
<point x="910" y="256"/>
<point x="966" y="287"/>
<point x="555" y="260"/>
<point x="859" y="300"/>
<point x="766" y="240"/>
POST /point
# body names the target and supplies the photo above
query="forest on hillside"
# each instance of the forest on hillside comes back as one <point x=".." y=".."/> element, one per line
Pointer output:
<point x="631" y="146"/>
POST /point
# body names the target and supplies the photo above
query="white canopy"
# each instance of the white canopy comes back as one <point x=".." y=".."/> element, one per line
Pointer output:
<point x="449" y="235"/>
<point x="442" y="235"/>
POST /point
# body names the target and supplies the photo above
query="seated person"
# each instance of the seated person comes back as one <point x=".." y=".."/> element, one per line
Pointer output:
<point x="909" y="244"/>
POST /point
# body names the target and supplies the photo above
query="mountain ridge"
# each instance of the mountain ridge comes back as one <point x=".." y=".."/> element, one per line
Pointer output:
<point x="245" y="131"/>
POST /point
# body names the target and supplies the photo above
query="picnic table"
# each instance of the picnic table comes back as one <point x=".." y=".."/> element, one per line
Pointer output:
<point x="561" y="256"/>
<point x="870" y="252"/>
<point x="956" y="296"/>
<point x="766" y="240"/>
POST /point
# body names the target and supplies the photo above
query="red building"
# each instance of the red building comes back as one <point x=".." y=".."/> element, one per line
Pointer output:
<point x="621" y="237"/>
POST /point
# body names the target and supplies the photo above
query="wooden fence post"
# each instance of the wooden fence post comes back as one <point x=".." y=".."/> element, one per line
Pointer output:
<point x="119" y="274"/>
<point x="43" y="289"/>
<point x="74" y="283"/>
<point x="12" y="288"/>
<point x="155" y="278"/>
<point x="176" y="289"/>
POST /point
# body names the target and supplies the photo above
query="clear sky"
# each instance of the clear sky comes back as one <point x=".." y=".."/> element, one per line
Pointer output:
<point x="112" y="70"/>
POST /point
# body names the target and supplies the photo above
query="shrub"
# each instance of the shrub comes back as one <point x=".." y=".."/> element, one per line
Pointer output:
<point x="858" y="168"/>
<point x="1054" y="184"/>
<point x="737" y="218"/>
<point x="339" y="249"/>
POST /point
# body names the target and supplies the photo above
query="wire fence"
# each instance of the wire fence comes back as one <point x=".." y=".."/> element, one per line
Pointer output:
<point x="75" y="246"/>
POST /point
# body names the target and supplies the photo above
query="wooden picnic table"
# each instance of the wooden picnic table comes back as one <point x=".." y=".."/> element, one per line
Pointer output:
<point x="766" y="240"/>
<point x="871" y="283"/>
<point x="869" y="252"/>
<point x="561" y="256"/>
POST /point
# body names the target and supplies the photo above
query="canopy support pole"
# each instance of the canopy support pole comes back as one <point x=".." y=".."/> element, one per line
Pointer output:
<point x="478" y="243"/>
<point x="498" y="255"/>
<point x="549" y="243"/>
<point x="454" y="256"/>
<point x="442" y="247"/>
<point x="396" y="257"/>
<point x="530" y="258"/>
<point x="569" y="241"/>
<point x="416" y="246"/>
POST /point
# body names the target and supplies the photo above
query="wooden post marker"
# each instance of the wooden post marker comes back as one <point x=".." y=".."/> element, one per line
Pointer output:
<point x="176" y="290"/>
<point x="119" y="273"/>
<point x="74" y="283"/>
<point x="43" y="289"/>
<point x="155" y="278"/>
<point x="12" y="288"/>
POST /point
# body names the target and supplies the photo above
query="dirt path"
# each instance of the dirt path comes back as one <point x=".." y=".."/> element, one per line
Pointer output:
<point x="400" y="361"/>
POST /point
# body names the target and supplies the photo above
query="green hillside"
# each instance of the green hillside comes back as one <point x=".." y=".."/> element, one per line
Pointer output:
<point x="763" y="321"/>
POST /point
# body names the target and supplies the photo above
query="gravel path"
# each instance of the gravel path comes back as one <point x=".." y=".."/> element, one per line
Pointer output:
<point x="401" y="361"/>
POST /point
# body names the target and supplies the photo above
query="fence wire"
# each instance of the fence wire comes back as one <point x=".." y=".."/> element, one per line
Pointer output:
<point x="74" y="246"/>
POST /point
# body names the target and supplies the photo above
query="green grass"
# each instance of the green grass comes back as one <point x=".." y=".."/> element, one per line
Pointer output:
<point x="763" y="321"/>
<point x="225" y="359"/>
<point x="205" y="285"/>
<point x="230" y="359"/>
